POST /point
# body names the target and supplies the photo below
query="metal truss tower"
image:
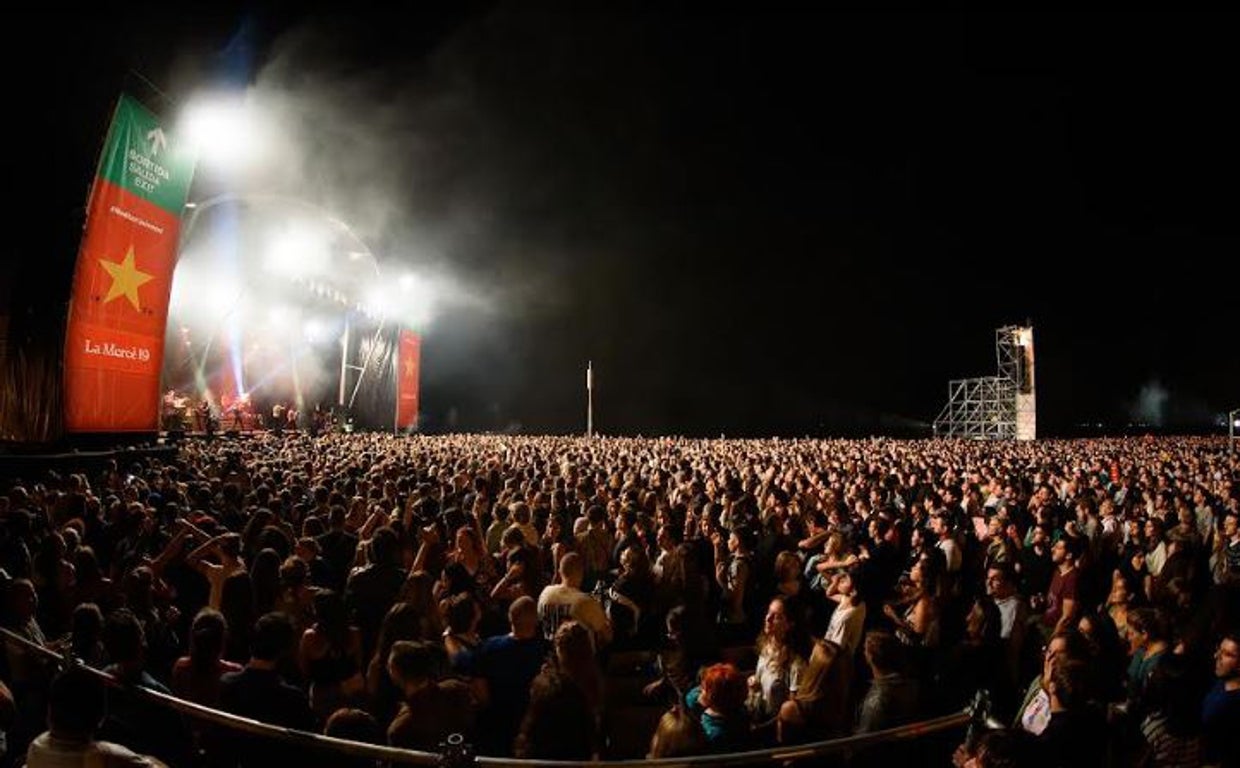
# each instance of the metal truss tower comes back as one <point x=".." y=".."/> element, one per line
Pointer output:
<point x="999" y="407"/>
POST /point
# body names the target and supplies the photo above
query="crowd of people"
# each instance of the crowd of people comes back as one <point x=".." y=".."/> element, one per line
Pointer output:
<point x="396" y="590"/>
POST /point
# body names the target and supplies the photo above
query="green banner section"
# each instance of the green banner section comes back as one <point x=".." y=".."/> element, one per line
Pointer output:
<point x="141" y="157"/>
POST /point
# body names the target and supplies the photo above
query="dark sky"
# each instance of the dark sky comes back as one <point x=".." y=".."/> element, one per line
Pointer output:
<point x="753" y="223"/>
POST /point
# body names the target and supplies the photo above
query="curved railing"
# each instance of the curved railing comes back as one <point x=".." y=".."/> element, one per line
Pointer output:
<point x="399" y="756"/>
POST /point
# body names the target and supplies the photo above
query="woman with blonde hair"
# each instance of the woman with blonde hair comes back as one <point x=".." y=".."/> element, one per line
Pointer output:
<point x="679" y="734"/>
<point x="574" y="656"/>
<point x="818" y="709"/>
<point x="836" y="554"/>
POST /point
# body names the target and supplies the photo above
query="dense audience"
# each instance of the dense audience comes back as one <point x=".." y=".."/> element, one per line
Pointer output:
<point x="401" y="589"/>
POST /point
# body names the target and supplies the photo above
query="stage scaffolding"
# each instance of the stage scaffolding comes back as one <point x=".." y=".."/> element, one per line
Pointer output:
<point x="999" y="407"/>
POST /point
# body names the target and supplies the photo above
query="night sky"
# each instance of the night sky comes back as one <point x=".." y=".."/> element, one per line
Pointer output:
<point x="753" y="223"/>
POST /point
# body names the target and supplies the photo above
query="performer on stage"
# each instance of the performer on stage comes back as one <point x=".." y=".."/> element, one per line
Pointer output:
<point x="170" y="413"/>
<point x="206" y="421"/>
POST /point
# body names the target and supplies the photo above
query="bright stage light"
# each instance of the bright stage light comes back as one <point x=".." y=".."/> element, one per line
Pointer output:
<point x="296" y="251"/>
<point x="280" y="319"/>
<point x="378" y="301"/>
<point x="222" y="296"/>
<point x="314" y="330"/>
<point x="224" y="131"/>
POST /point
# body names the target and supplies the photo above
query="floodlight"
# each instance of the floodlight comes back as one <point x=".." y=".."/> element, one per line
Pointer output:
<point x="297" y="250"/>
<point x="223" y="131"/>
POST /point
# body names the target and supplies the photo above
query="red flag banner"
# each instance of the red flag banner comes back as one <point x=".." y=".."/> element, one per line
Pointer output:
<point x="408" y="360"/>
<point x="119" y="306"/>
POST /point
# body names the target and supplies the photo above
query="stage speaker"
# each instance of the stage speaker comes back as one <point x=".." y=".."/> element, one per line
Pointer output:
<point x="176" y="435"/>
<point x="233" y="434"/>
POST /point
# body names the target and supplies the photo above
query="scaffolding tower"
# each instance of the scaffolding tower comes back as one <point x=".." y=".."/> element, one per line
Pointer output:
<point x="999" y="407"/>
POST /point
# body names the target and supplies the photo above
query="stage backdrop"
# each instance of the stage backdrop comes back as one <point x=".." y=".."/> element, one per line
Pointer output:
<point x="409" y="360"/>
<point x="115" y="335"/>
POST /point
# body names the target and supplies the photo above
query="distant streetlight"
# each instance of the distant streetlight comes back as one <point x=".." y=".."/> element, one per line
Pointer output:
<point x="1232" y="415"/>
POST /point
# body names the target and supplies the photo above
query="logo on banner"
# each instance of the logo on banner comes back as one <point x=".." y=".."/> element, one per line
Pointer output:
<point x="111" y="349"/>
<point x="126" y="279"/>
<point x="158" y="140"/>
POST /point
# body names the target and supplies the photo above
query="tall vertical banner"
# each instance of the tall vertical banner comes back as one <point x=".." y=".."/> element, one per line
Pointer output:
<point x="408" y="362"/>
<point x="119" y="306"/>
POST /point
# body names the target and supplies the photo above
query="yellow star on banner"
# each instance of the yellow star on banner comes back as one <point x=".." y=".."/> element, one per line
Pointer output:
<point x="125" y="279"/>
<point x="408" y="368"/>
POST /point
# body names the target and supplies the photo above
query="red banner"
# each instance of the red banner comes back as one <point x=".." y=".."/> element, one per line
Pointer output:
<point x="114" y="347"/>
<point x="408" y="360"/>
<point x="114" y="343"/>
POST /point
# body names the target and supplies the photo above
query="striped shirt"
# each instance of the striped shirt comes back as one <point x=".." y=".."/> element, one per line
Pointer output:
<point x="1167" y="750"/>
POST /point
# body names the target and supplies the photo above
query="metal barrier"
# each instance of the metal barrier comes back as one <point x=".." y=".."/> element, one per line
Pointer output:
<point x="457" y="753"/>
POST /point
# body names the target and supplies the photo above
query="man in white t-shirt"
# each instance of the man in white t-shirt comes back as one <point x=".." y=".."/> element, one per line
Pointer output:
<point x="1013" y="614"/>
<point x="561" y="602"/>
<point x="76" y="707"/>
<point x="941" y="527"/>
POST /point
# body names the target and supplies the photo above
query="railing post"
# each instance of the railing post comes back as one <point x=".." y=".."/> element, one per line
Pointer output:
<point x="456" y="753"/>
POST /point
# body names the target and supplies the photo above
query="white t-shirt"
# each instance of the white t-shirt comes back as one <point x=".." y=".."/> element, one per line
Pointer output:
<point x="846" y="625"/>
<point x="559" y="603"/>
<point x="668" y="558"/>
<point x="951" y="553"/>
<point x="1154" y="561"/>
<point x="1009" y="609"/>
<point x="48" y="752"/>
<point x="775" y="686"/>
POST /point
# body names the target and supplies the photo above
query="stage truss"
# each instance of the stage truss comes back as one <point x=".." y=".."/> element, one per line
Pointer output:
<point x="999" y="407"/>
